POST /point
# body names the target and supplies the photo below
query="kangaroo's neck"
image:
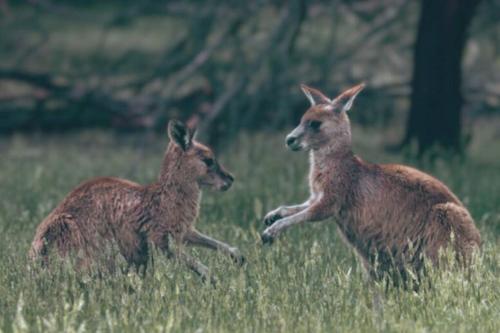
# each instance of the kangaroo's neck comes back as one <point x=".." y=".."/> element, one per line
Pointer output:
<point x="175" y="175"/>
<point x="175" y="197"/>
<point x="333" y="172"/>
<point x="331" y="156"/>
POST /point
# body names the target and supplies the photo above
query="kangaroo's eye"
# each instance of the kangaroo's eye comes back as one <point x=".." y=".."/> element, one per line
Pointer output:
<point x="209" y="162"/>
<point x="314" y="125"/>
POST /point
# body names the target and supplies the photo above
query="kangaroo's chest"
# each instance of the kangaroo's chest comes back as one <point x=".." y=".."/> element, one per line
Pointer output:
<point x="174" y="213"/>
<point x="315" y="185"/>
<point x="330" y="184"/>
<point x="320" y="179"/>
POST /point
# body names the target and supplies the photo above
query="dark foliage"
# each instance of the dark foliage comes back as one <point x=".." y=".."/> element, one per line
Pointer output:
<point x="227" y="66"/>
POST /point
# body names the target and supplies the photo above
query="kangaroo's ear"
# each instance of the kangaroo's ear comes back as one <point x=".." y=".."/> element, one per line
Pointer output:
<point x="193" y="132"/>
<point x="314" y="95"/>
<point x="343" y="102"/>
<point x="180" y="134"/>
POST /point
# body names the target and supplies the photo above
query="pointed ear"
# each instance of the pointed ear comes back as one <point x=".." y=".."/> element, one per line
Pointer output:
<point x="344" y="100"/>
<point x="180" y="134"/>
<point x="314" y="95"/>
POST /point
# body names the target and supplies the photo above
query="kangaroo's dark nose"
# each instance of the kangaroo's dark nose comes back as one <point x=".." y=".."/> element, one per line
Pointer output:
<point x="291" y="140"/>
<point x="228" y="181"/>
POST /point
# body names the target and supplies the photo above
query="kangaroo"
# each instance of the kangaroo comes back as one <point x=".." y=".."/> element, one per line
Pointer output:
<point x="103" y="210"/>
<point x="392" y="215"/>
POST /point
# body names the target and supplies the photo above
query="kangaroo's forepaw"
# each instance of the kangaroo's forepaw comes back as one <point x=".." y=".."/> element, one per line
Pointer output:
<point x="238" y="258"/>
<point x="271" y="217"/>
<point x="211" y="279"/>
<point x="267" y="238"/>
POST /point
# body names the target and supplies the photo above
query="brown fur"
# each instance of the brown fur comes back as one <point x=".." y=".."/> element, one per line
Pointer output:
<point x="132" y="215"/>
<point x="390" y="214"/>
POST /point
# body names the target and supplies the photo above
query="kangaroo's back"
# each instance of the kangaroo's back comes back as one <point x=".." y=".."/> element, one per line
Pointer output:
<point x="100" y="196"/>
<point x="396" y="190"/>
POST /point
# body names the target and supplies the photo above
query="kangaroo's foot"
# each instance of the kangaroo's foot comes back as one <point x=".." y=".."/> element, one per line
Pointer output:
<point x="267" y="238"/>
<point x="237" y="257"/>
<point x="272" y="217"/>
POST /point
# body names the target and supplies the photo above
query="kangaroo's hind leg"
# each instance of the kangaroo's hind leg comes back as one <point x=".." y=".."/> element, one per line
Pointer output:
<point x="134" y="248"/>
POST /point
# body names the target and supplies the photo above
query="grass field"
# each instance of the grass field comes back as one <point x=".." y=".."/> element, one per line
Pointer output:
<point x="307" y="281"/>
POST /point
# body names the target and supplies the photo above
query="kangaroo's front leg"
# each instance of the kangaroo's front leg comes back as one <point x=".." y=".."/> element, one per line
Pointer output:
<point x="195" y="237"/>
<point x="313" y="213"/>
<point x="284" y="211"/>
<point x="195" y="265"/>
<point x="162" y="242"/>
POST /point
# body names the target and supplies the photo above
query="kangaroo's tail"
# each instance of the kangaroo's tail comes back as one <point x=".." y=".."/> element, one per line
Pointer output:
<point x="60" y="231"/>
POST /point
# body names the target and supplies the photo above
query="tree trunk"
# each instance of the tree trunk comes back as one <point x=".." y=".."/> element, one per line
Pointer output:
<point x="436" y="100"/>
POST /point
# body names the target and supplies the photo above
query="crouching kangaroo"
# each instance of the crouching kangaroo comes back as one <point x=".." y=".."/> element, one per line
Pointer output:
<point x="111" y="209"/>
<point x="390" y="214"/>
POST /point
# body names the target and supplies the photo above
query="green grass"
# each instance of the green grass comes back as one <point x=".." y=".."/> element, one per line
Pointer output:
<point x="307" y="281"/>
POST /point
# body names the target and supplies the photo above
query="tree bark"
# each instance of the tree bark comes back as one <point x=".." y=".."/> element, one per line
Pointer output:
<point x="436" y="99"/>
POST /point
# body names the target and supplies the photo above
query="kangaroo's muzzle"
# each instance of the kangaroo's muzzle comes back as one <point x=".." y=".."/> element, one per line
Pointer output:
<point x="294" y="139"/>
<point x="228" y="181"/>
<point x="293" y="143"/>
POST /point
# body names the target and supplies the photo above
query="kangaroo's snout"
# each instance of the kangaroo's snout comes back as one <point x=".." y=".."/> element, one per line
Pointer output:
<point x="290" y="140"/>
<point x="228" y="180"/>
<point x="294" y="139"/>
<point x="293" y="142"/>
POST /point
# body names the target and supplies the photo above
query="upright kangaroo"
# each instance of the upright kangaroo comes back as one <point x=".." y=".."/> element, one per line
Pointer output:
<point x="106" y="209"/>
<point x="390" y="214"/>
